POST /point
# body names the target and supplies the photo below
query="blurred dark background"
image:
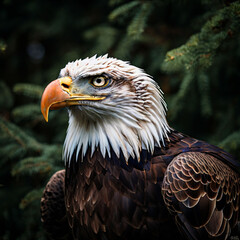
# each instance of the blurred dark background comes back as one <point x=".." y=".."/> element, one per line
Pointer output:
<point x="191" y="48"/>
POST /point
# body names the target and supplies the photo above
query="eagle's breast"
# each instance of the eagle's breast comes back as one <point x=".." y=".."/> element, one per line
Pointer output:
<point x="101" y="192"/>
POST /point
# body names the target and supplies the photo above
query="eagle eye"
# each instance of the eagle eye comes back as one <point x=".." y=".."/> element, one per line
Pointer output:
<point x="99" y="81"/>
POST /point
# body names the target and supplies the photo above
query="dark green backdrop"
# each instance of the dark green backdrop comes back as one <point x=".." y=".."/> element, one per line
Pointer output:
<point x="191" y="48"/>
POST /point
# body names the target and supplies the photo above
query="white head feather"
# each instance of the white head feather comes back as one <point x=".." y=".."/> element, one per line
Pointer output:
<point x="131" y="119"/>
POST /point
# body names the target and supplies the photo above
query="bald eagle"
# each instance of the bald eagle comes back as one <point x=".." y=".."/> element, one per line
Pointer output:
<point x="128" y="174"/>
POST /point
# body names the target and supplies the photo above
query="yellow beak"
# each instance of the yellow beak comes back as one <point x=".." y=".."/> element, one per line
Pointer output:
<point x="58" y="95"/>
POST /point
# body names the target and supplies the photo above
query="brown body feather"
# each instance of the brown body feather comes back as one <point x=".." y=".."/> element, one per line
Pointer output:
<point x="53" y="209"/>
<point x="187" y="186"/>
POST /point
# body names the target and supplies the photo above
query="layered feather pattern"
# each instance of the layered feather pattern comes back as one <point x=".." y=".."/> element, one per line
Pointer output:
<point x="203" y="193"/>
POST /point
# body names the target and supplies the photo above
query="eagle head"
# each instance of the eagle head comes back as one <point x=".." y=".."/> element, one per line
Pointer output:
<point x="112" y="105"/>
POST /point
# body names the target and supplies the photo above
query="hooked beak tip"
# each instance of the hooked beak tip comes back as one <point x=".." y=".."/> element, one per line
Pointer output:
<point x="53" y="94"/>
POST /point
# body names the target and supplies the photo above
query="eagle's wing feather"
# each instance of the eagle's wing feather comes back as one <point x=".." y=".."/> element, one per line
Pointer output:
<point x="53" y="211"/>
<point x="203" y="193"/>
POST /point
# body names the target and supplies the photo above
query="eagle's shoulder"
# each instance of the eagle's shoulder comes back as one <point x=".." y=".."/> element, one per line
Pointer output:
<point x="178" y="143"/>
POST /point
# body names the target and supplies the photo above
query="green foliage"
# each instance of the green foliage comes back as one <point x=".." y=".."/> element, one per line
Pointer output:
<point x="191" y="48"/>
<point x="30" y="197"/>
<point x="141" y="11"/>
<point x="31" y="112"/>
<point x="30" y="163"/>
<point x="29" y="90"/>
<point x="122" y="10"/>
<point x="26" y="163"/>
<point x="232" y="143"/>
<point x="201" y="48"/>
<point x="197" y="61"/>
<point x="177" y="100"/>
<point x="137" y="26"/>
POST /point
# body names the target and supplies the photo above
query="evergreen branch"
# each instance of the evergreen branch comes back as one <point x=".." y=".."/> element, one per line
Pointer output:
<point x="31" y="165"/>
<point x="201" y="48"/>
<point x="8" y="129"/>
<point x="231" y="143"/>
<point x="13" y="132"/>
<point x="27" y="112"/>
<point x="46" y="163"/>
<point x="138" y="24"/>
<point x="122" y="10"/>
<point x="34" y="195"/>
<point x="10" y="151"/>
<point x="185" y="85"/>
<point x="29" y="90"/>
<point x="177" y="101"/>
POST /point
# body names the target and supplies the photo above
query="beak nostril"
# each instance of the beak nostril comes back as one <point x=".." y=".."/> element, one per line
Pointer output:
<point x="65" y="85"/>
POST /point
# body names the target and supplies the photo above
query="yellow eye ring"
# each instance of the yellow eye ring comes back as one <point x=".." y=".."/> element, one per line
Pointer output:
<point x="99" y="81"/>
